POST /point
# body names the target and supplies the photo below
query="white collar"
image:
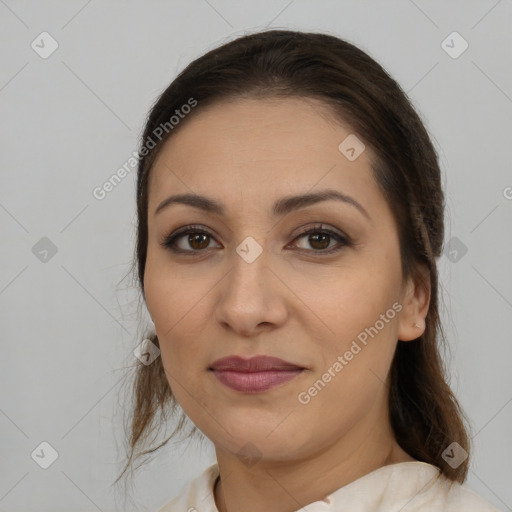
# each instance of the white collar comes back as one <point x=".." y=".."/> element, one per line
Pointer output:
<point x="387" y="486"/>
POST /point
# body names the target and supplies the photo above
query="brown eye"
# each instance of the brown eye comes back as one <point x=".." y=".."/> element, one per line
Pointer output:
<point x="188" y="240"/>
<point x="194" y="240"/>
<point x="319" y="239"/>
<point x="197" y="241"/>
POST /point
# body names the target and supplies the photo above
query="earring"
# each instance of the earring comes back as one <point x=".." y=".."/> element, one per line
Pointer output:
<point x="418" y="326"/>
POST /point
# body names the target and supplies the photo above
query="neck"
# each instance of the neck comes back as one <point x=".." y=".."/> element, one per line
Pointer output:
<point x="271" y="486"/>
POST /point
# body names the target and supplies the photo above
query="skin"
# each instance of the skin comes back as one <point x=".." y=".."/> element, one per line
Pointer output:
<point x="292" y="302"/>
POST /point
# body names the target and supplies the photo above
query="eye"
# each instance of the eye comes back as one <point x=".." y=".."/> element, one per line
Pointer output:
<point x="320" y="238"/>
<point x="195" y="239"/>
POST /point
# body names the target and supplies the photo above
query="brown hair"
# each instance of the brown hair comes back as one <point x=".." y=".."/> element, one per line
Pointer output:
<point x="424" y="413"/>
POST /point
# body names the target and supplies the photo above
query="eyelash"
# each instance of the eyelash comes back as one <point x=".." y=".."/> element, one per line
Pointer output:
<point x="170" y="240"/>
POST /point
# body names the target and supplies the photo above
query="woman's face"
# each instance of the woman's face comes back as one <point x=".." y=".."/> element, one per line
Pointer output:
<point x="256" y="285"/>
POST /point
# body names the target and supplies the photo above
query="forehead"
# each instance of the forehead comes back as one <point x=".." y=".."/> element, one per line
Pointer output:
<point x="254" y="148"/>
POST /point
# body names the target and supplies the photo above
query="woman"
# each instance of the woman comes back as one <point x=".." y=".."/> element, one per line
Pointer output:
<point x="290" y="218"/>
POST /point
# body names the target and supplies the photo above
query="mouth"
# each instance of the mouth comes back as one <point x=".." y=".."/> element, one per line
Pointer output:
<point x="254" y="375"/>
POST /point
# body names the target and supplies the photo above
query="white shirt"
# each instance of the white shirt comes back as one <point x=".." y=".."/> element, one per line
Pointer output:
<point x="404" y="486"/>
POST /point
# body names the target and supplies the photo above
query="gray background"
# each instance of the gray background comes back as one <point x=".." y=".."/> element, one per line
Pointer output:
<point x="69" y="319"/>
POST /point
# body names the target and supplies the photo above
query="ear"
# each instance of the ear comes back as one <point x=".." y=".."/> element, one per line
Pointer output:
<point x="415" y="302"/>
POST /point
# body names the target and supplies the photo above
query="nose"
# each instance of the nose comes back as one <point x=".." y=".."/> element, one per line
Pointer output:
<point x="252" y="298"/>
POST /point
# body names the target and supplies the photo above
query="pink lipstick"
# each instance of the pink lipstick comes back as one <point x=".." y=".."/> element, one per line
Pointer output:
<point x="254" y="375"/>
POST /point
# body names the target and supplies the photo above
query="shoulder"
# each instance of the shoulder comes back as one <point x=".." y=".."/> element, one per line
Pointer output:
<point x="450" y="496"/>
<point x="417" y="486"/>
<point x="196" y="495"/>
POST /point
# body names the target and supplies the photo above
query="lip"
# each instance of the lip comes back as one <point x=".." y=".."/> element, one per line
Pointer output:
<point x="253" y="364"/>
<point x="254" y="375"/>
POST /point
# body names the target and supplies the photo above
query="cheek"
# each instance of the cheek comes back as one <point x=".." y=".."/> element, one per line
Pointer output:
<point x="348" y="384"/>
<point x="359" y="317"/>
<point x="335" y="304"/>
<point x="169" y="297"/>
<point x="181" y="310"/>
<point x="362" y="325"/>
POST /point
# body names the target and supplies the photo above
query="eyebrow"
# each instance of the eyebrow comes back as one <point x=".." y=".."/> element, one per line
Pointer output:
<point x="281" y="206"/>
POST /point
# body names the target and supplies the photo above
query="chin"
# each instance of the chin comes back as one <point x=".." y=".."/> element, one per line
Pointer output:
<point x="270" y="444"/>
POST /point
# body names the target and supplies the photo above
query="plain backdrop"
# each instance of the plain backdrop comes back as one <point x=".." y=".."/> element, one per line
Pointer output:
<point x="70" y="119"/>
